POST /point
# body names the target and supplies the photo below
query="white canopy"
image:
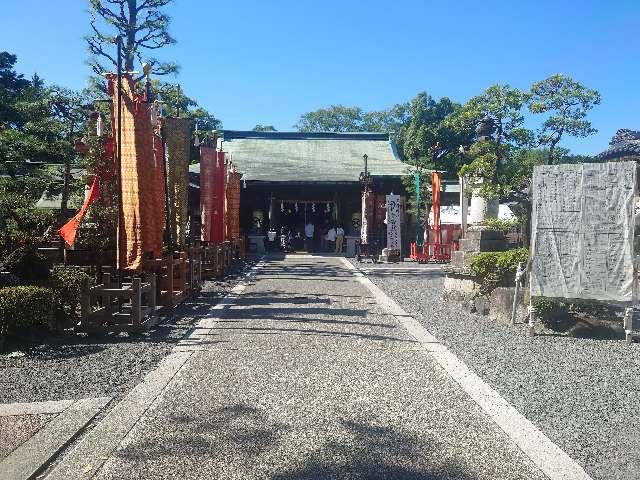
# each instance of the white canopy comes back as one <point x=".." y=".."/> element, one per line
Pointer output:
<point x="451" y="214"/>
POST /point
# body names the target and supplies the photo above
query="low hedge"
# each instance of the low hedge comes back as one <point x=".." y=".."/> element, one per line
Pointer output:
<point x="25" y="307"/>
<point x="497" y="269"/>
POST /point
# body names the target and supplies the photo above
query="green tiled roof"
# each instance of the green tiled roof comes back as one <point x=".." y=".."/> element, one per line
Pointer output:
<point x="311" y="157"/>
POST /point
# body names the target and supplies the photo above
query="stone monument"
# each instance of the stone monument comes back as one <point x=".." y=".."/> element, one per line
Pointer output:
<point x="459" y="282"/>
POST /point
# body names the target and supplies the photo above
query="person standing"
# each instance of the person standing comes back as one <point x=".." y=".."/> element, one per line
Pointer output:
<point x="331" y="238"/>
<point x="309" y="230"/>
<point x="339" y="238"/>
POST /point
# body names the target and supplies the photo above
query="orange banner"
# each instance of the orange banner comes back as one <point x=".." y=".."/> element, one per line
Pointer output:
<point x="70" y="229"/>
<point x="140" y="171"/>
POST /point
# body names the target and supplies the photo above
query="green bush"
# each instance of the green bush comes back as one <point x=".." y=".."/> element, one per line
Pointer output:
<point x="552" y="313"/>
<point x="28" y="265"/>
<point x="24" y="307"/>
<point x="501" y="225"/>
<point x="497" y="269"/>
<point x="67" y="285"/>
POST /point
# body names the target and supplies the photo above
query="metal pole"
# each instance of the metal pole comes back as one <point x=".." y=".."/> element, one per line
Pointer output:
<point x="119" y="166"/>
<point x="519" y="274"/>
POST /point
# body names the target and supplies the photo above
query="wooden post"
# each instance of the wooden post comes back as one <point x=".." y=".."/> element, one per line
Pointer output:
<point x="152" y="294"/>
<point x="85" y="301"/>
<point x="170" y="288"/>
<point x="106" y="298"/>
<point x="136" y="302"/>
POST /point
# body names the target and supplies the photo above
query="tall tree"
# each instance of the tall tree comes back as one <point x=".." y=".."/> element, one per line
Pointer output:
<point x="336" y="118"/>
<point x="567" y="101"/>
<point x="143" y="27"/>
<point x="501" y="108"/>
<point x="264" y="128"/>
<point x="428" y="143"/>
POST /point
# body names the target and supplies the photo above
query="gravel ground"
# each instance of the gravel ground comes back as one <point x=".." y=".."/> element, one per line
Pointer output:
<point x="17" y="429"/>
<point x="307" y="377"/>
<point x="582" y="393"/>
<point x="69" y="366"/>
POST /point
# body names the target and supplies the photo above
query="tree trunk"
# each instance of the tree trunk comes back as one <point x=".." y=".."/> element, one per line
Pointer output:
<point x="66" y="181"/>
<point x="131" y="35"/>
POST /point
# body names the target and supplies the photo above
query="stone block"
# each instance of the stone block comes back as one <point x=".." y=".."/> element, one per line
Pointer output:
<point x="482" y="245"/>
<point x="462" y="260"/>
<point x="479" y="233"/>
<point x="501" y="303"/>
<point x="459" y="288"/>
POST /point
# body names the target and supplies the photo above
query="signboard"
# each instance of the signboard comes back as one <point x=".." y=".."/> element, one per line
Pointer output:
<point x="582" y="231"/>
<point x="393" y="222"/>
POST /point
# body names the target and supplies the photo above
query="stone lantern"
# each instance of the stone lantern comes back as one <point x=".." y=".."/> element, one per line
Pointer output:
<point x="482" y="208"/>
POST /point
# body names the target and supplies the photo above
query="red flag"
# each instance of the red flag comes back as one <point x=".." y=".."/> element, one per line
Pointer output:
<point x="69" y="229"/>
<point x="435" y="193"/>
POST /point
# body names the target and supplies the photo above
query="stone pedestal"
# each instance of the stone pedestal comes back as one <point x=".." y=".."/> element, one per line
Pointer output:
<point x="389" y="255"/>
<point x="351" y="245"/>
<point x="460" y="284"/>
<point x="479" y="239"/>
<point x="256" y="243"/>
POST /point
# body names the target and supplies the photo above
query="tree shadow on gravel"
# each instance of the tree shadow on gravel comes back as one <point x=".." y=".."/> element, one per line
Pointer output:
<point x="248" y="440"/>
<point x="235" y="430"/>
<point x="375" y="452"/>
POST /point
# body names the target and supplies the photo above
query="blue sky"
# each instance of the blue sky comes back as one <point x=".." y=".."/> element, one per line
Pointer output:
<point x="267" y="62"/>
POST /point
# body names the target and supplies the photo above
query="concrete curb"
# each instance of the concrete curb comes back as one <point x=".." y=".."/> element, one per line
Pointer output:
<point x="544" y="453"/>
<point x="29" y="458"/>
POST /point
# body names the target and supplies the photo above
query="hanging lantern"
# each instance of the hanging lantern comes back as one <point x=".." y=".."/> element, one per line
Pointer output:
<point x="295" y="205"/>
<point x="99" y="126"/>
<point x="244" y="183"/>
<point x="328" y="209"/>
<point x="282" y="206"/>
<point x="196" y="142"/>
<point x="313" y="207"/>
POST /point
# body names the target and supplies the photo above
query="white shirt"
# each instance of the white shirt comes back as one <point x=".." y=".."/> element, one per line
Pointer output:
<point x="331" y="235"/>
<point x="308" y="230"/>
<point x="340" y="232"/>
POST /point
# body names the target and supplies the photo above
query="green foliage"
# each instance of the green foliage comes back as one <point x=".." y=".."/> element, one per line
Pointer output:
<point x="264" y="128"/>
<point x="21" y="224"/>
<point x="502" y="225"/>
<point x="552" y="313"/>
<point x="499" y="107"/>
<point x="67" y="285"/>
<point x="24" y="307"/>
<point x="30" y="127"/>
<point x="28" y="265"/>
<point x="336" y="118"/>
<point x="567" y="101"/>
<point x="495" y="269"/>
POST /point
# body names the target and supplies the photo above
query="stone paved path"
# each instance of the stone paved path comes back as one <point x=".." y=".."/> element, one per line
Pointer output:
<point x="305" y="375"/>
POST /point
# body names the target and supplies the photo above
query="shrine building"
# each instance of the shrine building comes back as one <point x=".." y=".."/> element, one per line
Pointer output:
<point x="290" y="178"/>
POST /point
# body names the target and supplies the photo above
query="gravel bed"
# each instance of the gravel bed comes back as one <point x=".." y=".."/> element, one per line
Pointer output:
<point x="68" y="366"/>
<point x="582" y="393"/>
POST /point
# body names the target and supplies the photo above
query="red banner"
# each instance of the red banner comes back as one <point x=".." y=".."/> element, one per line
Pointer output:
<point x="436" y="180"/>
<point x="70" y="229"/>
<point x="212" y="194"/>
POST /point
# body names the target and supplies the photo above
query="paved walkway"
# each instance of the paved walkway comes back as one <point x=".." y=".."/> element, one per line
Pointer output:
<point x="306" y="374"/>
